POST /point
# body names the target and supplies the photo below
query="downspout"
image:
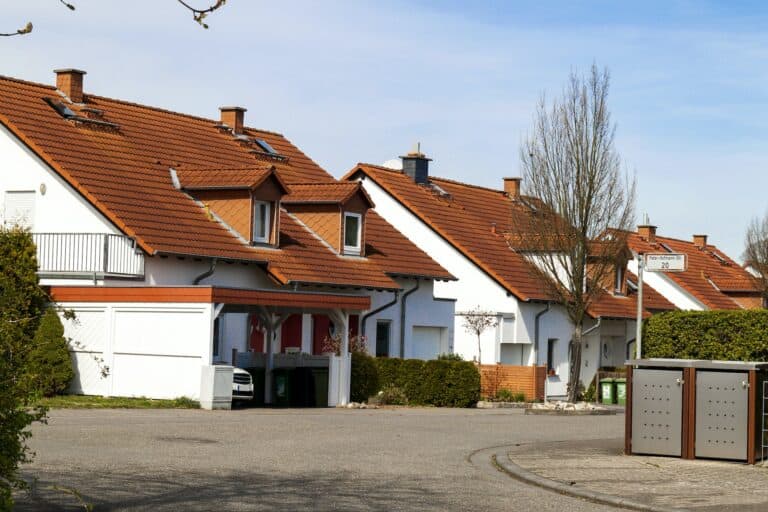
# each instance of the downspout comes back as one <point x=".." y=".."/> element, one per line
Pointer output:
<point x="378" y="310"/>
<point x="536" y="333"/>
<point x="402" y="318"/>
<point x="207" y="273"/>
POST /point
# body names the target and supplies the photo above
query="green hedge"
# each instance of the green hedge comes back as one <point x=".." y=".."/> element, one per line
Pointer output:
<point x="709" y="335"/>
<point x="442" y="383"/>
<point x="364" y="379"/>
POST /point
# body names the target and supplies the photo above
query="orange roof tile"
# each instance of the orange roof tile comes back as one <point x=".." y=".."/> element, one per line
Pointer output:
<point x="239" y="177"/>
<point x="121" y="166"/>
<point x="464" y="215"/>
<point x="706" y="268"/>
<point x="324" y="193"/>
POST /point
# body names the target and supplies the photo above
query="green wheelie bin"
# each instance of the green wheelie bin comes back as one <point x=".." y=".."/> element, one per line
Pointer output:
<point x="607" y="391"/>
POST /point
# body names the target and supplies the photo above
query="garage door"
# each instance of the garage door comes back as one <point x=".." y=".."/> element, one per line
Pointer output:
<point x="426" y="342"/>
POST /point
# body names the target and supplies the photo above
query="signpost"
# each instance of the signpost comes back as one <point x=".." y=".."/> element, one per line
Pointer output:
<point x="654" y="262"/>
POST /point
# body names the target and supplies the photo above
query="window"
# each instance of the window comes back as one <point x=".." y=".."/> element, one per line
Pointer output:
<point x="619" y="285"/>
<point x="507" y="329"/>
<point x="352" y="228"/>
<point x="261" y="221"/>
<point x="216" y="338"/>
<point x="551" y="342"/>
<point x="383" y="330"/>
<point x="19" y="208"/>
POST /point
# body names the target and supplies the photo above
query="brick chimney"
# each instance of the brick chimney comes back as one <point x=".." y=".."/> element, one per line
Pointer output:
<point x="512" y="187"/>
<point x="70" y="82"/>
<point x="416" y="165"/>
<point x="233" y="117"/>
<point x="700" y="241"/>
<point x="648" y="232"/>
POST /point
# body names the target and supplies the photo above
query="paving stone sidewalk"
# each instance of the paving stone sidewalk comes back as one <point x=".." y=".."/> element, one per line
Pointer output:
<point x="600" y="466"/>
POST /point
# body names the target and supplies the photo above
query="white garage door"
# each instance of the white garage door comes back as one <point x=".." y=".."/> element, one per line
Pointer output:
<point x="426" y="342"/>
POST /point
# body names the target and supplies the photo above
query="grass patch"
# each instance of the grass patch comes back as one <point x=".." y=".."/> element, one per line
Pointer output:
<point x="100" y="402"/>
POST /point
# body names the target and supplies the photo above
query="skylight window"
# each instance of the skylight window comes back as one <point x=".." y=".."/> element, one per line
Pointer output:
<point x="666" y="247"/>
<point x="63" y="110"/>
<point x="264" y="145"/>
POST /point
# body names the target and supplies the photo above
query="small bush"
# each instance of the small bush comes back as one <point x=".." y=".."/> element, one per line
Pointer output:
<point x="590" y="395"/>
<point x="392" y="395"/>
<point x="709" y="335"/>
<point x="49" y="362"/>
<point x="449" y="357"/>
<point x="444" y="383"/>
<point x="505" y="395"/>
<point x="364" y="379"/>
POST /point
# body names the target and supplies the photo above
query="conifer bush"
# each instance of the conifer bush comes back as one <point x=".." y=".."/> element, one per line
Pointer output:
<point x="22" y="303"/>
<point x="50" y="364"/>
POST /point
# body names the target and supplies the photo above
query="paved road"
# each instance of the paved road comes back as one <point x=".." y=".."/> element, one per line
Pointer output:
<point x="311" y="459"/>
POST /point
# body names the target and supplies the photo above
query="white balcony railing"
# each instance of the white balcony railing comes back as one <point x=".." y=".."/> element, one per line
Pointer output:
<point x="89" y="254"/>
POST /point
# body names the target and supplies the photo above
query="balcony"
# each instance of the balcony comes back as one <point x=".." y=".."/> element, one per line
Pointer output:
<point x="88" y="255"/>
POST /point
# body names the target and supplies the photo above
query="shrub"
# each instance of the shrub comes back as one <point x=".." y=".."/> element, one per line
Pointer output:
<point x="444" y="383"/>
<point x="709" y="335"/>
<point x="49" y="363"/>
<point x="449" y="357"/>
<point x="505" y="395"/>
<point x="392" y="395"/>
<point x="22" y="303"/>
<point x="364" y="378"/>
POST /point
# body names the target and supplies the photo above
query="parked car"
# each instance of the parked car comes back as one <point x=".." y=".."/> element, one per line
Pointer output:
<point x="242" y="385"/>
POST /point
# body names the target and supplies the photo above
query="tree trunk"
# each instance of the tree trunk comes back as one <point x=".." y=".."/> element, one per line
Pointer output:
<point x="575" y="365"/>
<point x="479" y="351"/>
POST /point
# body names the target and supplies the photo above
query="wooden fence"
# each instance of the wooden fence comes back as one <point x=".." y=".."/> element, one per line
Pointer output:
<point x="525" y="379"/>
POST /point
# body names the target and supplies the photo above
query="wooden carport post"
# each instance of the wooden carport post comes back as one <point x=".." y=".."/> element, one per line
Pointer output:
<point x="271" y="321"/>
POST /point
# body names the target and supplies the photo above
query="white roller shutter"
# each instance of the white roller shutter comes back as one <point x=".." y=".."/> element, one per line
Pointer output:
<point x="426" y="342"/>
<point x="19" y="208"/>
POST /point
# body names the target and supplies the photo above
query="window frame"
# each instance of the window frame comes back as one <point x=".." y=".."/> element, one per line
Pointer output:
<point x="551" y="344"/>
<point x="267" y="222"/>
<point x="388" y="323"/>
<point x="352" y="248"/>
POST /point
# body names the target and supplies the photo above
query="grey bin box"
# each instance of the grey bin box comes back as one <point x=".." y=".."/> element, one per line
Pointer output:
<point x="695" y="409"/>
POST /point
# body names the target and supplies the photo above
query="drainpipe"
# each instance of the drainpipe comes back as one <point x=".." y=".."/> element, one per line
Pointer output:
<point x="207" y="273"/>
<point x="536" y="333"/>
<point x="378" y="310"/>
<point x="402" y="318"/>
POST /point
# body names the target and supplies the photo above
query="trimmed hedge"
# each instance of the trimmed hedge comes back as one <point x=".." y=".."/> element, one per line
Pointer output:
<point x="709" y="335"/>
<point x="364" y="377"/>
<point x="442" y="383"/>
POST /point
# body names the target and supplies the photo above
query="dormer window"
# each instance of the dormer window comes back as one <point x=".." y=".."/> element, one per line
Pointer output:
<point x="262" y="221"/>
<point x="352" y="232"/>
<point x="619" y="284"/>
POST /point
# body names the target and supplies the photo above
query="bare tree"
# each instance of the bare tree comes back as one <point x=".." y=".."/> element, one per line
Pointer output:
<point x="575" y="225"/>
<point x="756" y="252"/>
<point x="477" y="321"/>
<point x="198" y="14"/>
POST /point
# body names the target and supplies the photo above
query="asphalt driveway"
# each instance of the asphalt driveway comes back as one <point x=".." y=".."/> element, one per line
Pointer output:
<point x="310" y="459"/>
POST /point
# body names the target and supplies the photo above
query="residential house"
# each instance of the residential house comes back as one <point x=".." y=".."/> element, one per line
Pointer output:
<point x="712" y="279"/>
<point x="181" y="241"/>
<point x="462" y="227"/>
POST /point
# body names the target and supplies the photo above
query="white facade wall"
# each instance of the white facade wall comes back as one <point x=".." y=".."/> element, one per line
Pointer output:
<point x="668" y="289"/>
<point x="152" y="350"/>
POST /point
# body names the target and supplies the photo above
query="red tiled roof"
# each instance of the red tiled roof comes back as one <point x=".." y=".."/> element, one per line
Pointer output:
<point x="706" y="268"/>
<point x="120" y="164"/>
<point x="464" y="215"/>
<point x="324" y="193"/>
<point x="608" y="305"/>
<point x="241" y="177"/>
<point x="652" y="300"/>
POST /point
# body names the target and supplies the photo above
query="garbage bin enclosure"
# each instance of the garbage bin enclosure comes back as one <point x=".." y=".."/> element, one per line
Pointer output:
<point x="657" y="412"/>
<point x="695" y="409"/>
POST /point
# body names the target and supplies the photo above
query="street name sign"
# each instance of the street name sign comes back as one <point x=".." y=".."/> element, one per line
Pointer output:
<point x="666" y="262"/>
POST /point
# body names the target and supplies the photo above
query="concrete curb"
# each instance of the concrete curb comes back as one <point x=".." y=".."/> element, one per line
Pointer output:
<point x="571" y="412"/>
<point x="501" y="460"/>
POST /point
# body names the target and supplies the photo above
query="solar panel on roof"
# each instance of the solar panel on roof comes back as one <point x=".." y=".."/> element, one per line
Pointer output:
<point x="265" y="146"/>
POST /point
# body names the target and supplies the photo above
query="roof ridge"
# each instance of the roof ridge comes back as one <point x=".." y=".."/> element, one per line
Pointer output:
<point x="133" y="104"/>
<point x="439" y="178"/>
<point x="249" y="167"/>
<point x="324" y="183"/>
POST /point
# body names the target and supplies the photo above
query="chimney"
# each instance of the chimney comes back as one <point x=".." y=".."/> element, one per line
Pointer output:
<point x="512" y="187"/>
<point x="70" y="82"/>
<point x="648" y="232"/>
<point x="416" y="165"/>
<point x="700" y="241"/>
<point x="233" y="117"/>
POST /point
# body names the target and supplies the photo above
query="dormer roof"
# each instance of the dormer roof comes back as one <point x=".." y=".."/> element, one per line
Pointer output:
<point x="250" y="177"/>
<point x="326" y="193"/>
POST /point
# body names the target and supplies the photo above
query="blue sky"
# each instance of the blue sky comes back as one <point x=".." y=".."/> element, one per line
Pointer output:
<point x="362" y="81"/>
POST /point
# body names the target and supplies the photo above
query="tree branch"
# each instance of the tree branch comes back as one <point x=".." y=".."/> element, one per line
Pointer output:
<point x="199" y="15"/>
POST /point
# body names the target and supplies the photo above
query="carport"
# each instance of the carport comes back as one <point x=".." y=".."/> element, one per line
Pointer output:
<point x="272" y="308"/>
